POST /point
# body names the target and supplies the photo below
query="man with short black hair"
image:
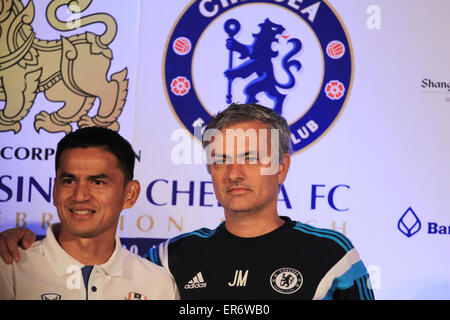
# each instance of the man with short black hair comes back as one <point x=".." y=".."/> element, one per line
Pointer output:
<point x="81" y="257"/>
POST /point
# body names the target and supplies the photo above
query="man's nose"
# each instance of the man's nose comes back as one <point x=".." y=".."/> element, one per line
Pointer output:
<point x="81" y="192"/>
<point x="236" y="172"/>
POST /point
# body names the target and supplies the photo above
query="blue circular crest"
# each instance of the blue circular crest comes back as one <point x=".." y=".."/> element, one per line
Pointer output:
<point x="334" y="86"/>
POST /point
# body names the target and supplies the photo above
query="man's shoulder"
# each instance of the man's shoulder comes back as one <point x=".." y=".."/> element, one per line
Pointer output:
<point x="137" y="265"/>
<point x="27" y="256"/>
<point x="136" y="261"/>
<point x="202" y="234"/>
<point x="322" y="237"/>
<point x="34" y="252"/>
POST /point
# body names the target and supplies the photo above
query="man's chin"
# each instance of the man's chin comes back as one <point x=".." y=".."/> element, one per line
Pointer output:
<point x="238" y="208"/>
<point x="80" y="232"/>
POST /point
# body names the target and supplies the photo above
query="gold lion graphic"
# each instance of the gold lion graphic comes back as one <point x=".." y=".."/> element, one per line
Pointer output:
<point x="71" y="70"/>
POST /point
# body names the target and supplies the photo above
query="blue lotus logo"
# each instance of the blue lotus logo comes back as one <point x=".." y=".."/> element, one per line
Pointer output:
<point x="409" y="224"/>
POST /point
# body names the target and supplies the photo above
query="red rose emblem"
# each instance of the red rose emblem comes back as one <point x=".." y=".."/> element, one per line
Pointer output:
<point x="180" y="86"/>
<point x="334" y="90"/>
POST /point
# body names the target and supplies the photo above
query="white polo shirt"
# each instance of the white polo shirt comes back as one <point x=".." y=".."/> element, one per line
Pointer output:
<point x="47" y="272"/>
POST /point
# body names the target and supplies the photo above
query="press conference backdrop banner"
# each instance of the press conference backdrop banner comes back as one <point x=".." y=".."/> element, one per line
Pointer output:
<point x="364" y="86"/>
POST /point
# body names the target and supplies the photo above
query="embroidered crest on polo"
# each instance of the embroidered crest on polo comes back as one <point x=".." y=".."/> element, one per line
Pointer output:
<point x="286" y="280"/>
<point x="50" y="296"/>
<point x="135" y="296"/>
<point x="294" y="57"/>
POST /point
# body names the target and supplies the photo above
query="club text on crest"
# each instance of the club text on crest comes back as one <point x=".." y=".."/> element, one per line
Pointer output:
<point x="304" y="132"/>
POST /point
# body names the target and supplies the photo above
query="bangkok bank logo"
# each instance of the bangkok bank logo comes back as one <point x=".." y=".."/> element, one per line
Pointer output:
<point x="409" y="223"/>
<point x="72" y="70"/>
<point x="293" y="57"/>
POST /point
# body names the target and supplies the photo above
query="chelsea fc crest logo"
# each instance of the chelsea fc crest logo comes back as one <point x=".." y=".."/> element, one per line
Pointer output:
<point x="292" y="56"/>
<point x="286" y="280"/>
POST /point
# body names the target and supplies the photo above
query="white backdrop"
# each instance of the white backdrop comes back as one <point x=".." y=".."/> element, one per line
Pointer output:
<point x="386" y="152"/>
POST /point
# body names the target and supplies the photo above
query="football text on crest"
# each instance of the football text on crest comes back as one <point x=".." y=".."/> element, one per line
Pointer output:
<point x="209" y="10"/>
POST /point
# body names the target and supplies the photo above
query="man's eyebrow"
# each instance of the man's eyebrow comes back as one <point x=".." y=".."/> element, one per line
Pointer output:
<point x="92" y="177"/>
<point x="221" y="156"/>
<point x="248" y="153"/>
<point x="98" y="176"/>
<point x="243" y="154"/>
<point x="65" y="175"/>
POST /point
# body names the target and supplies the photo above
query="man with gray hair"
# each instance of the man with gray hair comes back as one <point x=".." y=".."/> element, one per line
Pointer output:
<point x="255" y="253"/>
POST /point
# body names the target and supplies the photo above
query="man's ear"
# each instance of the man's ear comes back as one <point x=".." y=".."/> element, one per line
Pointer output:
<point x="132" y="191"/>
<point x="283" y="168"/>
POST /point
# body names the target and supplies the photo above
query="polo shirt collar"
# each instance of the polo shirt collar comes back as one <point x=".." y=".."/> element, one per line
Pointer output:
<point x="62" y="263"/>
<point x="114" y="265"/>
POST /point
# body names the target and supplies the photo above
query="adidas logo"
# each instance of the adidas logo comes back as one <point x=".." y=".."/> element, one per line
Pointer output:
<point x="196" y="282"/>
